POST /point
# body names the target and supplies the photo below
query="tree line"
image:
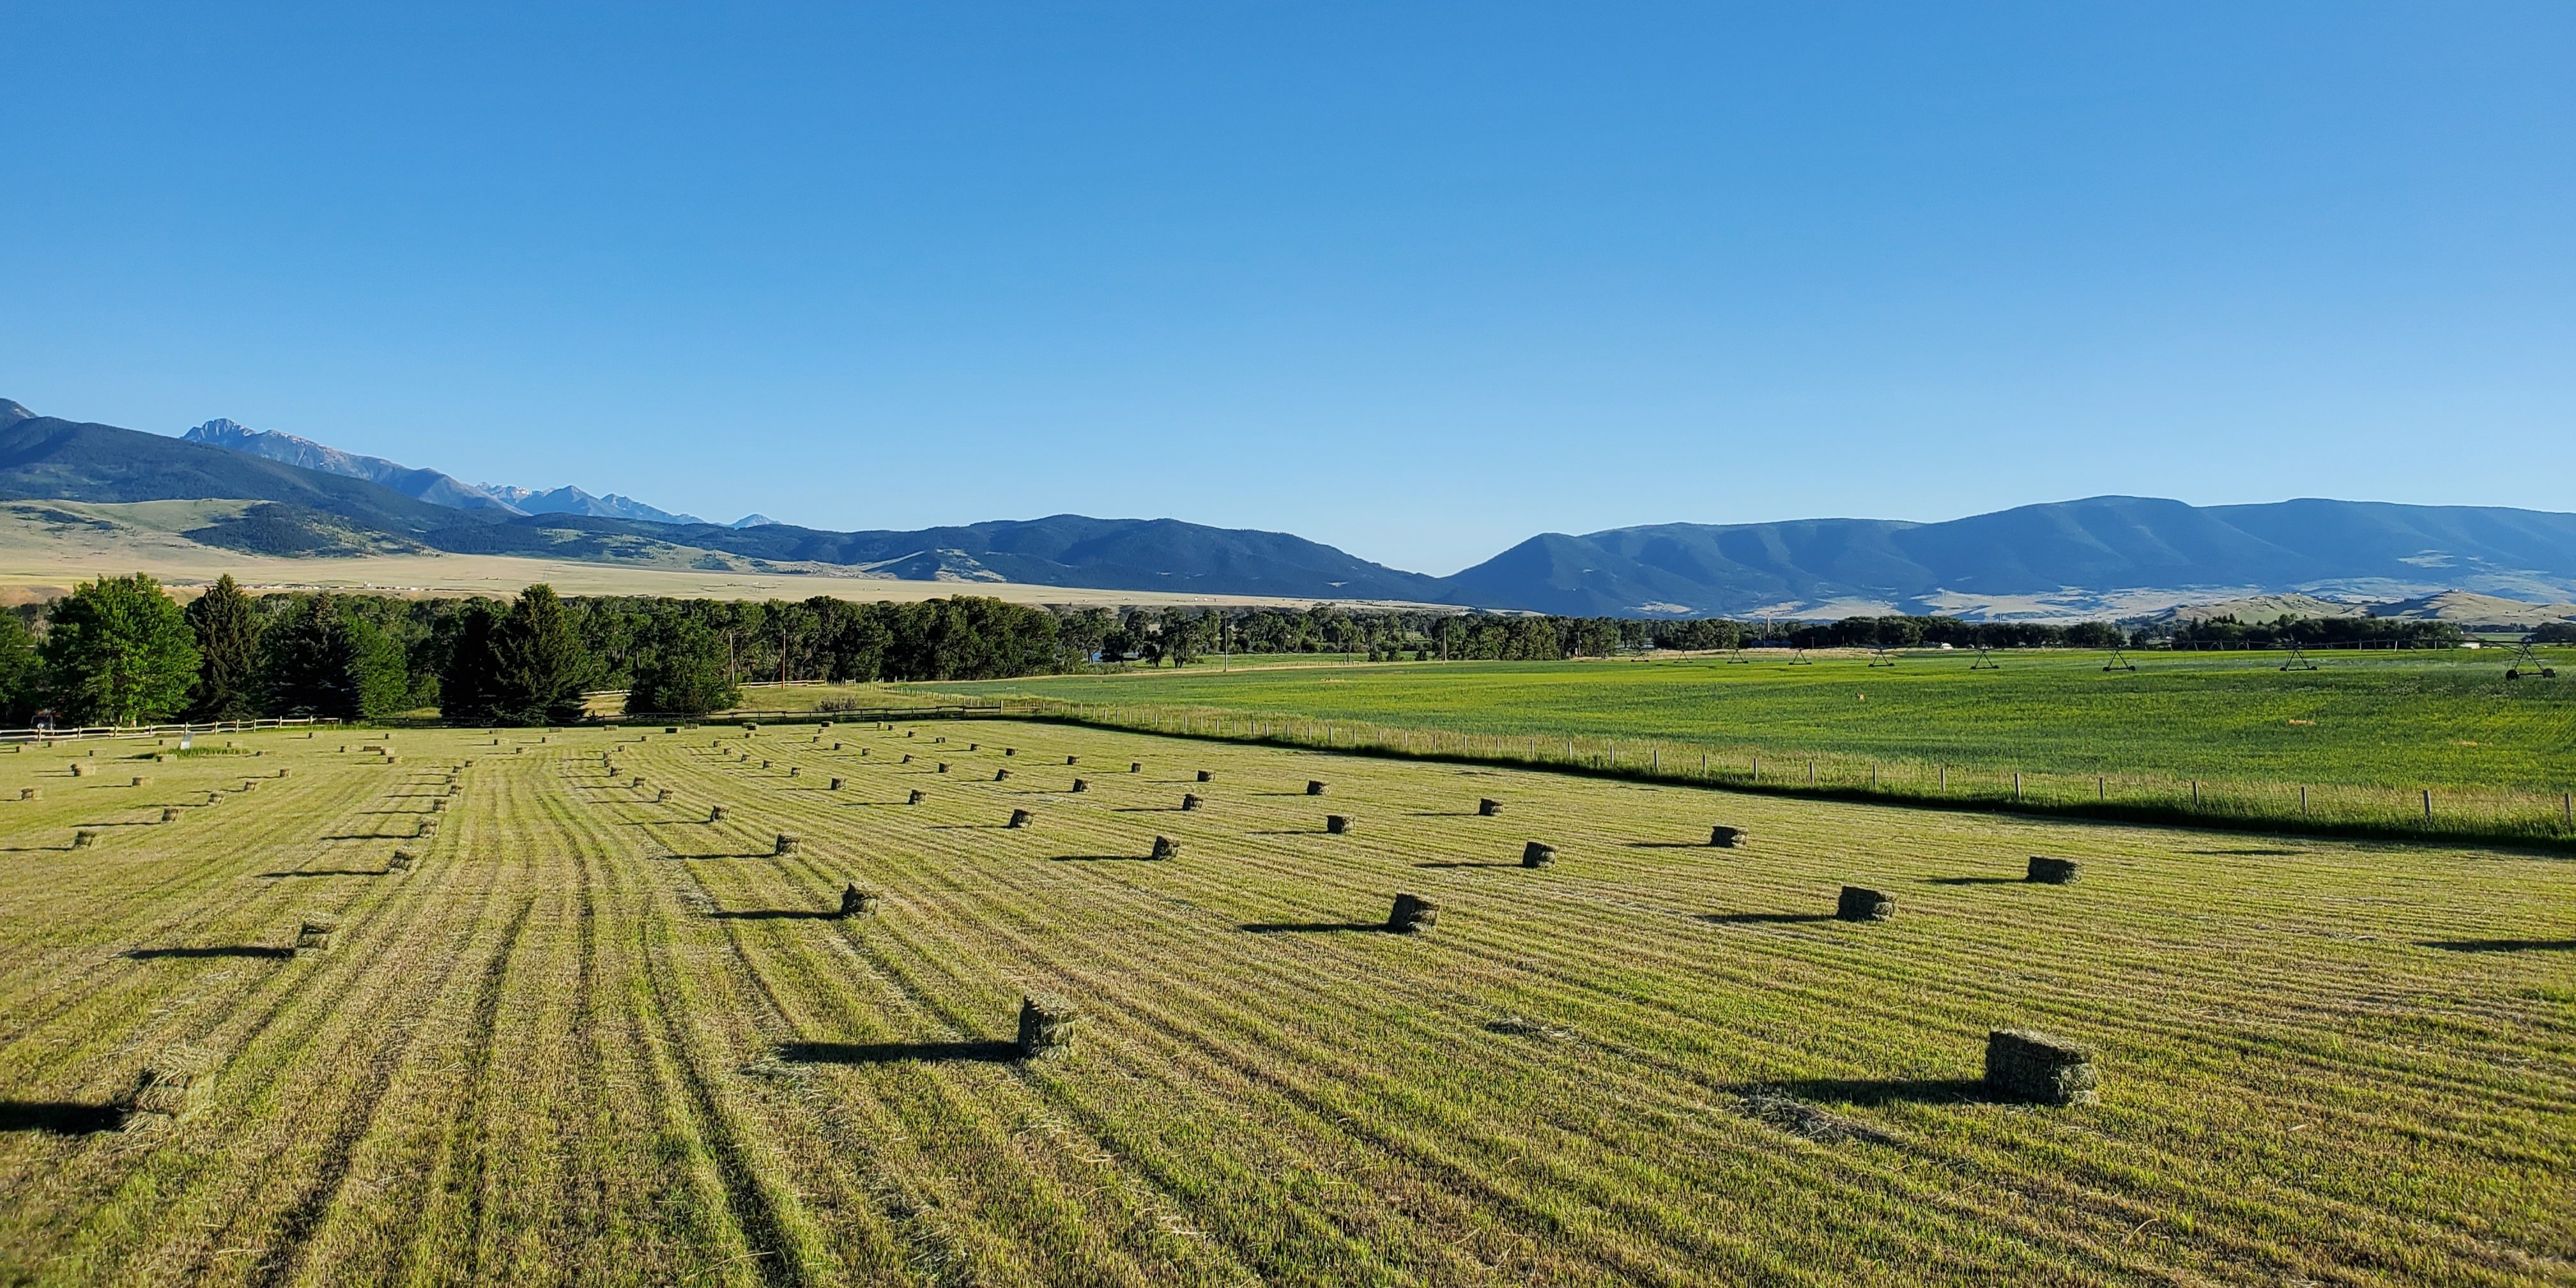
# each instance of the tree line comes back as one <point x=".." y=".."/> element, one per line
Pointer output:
<point x="122" y="651"/>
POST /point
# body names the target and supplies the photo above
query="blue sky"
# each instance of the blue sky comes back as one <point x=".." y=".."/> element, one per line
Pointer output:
<point x="1416" y="280"/>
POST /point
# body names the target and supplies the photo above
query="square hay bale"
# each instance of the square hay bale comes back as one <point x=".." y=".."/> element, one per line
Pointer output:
<point x="972" y="746"/>
<point x="1046" y="1024"/>
<point x="907" y="758"/>
<point x="250" y="785"/>
<point x="639" y="781"/>
<point x="1001" y="775"/>
<point x="313" y="934"/>
<point x="84" y="838"/>
<point x="1135" y="766"/>
<point x="1010" y="751"/>
<point x="428" y="826"/>
<point x="2026" y="1065"/>
<point x="401" y="861"/>
<point x="1314" y="787"/>
<point x="784" y="846"/>
<point x="715" y="813"/>
<point x="1166" y="848"/>
<point x="1489" y="808"/>
<point x="764" y="764"/>
<point x="856" y="902"/>
<point x="1190" y="801"/>
<point x="176" y="1082"/>
<point x="1207" y="775"/>
<point x="1857" y="904"/>
<point x="83" y="769"/>
<point x="142" y="780"/>
<point x="836" y="784"/>
<point x="1081" y="785"/>
<point x="1412" y="914"/>
<point x="915" y="798"/>
<point x="1073" y="760"/>
<point x="662" y="796"/>
<point x="1724" y="837"/>
<point x="795" y="771"/>
<point x="438" y="805"/>
<point x="2051" y="871"/>
<point x="1020" y="818"/>
<point x="30" y="794"/>
<point x="943" y="766"/>
<point x="169" y="813"/>
<point x="1537" y="855"/>
<point x="1337" y="824"/>
<point x="670" y="728"/>
<point x="284" y="773"/>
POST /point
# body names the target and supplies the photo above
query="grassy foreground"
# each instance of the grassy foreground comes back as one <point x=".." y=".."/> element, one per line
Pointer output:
<point x="594" y="1037"/>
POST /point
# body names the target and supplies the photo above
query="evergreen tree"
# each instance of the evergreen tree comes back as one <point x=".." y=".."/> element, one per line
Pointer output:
<point x="542" y="664"/>
<point x="119" y="652"/>
<point x="468" y="685"/>
<point x="227" y="627"/>
<point x="683" y="672"/>
<point x="323" y="660"/>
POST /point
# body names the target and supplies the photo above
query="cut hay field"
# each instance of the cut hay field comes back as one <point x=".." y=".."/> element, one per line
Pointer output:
<point x="591" y="1036"/>
<point x="2447" y="718"/>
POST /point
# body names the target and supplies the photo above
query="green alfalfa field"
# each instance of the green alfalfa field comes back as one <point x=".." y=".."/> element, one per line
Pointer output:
<point x="2442" y="718"/>
<point x="591" y="1036"/>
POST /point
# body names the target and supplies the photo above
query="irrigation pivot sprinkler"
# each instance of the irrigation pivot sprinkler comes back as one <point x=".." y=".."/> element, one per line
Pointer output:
<point x="2298" y="659"/>
<point x="1985" y="660"/>
<point x="2119" y="661"/>
<point x="1882" y="656"/>
<point x="2525" y="662"/>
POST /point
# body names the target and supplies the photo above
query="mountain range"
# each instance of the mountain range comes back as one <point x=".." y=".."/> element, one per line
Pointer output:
<point x="2110" y="556"/>
<point x="428" y="485"/>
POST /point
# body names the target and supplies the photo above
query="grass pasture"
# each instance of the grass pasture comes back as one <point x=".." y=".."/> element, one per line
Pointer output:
<point x="2445" y="718"/>
<point x="594" y="1037"/>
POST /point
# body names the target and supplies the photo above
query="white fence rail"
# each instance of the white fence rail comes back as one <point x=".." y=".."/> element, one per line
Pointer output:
<point x="88" y="732"/>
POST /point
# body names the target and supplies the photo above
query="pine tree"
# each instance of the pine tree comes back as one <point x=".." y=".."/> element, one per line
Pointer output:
<point x="325" y="661"/>
<point x="542" y="665"/>
<point x="468" y="684"/>
<point x="118" y="651"/>
<point x="227" y="626"/>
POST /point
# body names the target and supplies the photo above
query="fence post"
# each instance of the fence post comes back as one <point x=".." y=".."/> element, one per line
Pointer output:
<point x="1811" y="771"/>
<point x="2303" y="802"/>
<point x="2016" y="784"/>
<point x="2428" y="805"/>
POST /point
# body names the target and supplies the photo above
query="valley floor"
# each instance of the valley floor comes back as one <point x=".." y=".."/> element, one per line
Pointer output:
<point x="592" y="1036"/>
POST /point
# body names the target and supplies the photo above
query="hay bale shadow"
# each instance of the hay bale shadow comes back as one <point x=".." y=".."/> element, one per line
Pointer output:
<point x="899" y="1052"/>
<point x="59" y="1117"/>
<point x="216" y="950"/>
<point x="1880" y="1091"/>
<point x="2500" y="945"/>
<point x="1764" y="918"/>
<point x="1314" y="927"/>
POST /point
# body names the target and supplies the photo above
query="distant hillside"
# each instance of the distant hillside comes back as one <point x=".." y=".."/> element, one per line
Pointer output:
<point x="307" y="511"/>
<point x="421" y="484"/>
<point x="2105" y="557"/>
<point x="2068" y="553"/>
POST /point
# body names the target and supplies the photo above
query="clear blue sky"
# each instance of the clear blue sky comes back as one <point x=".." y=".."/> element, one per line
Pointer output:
<point x="1416" y="280"/>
